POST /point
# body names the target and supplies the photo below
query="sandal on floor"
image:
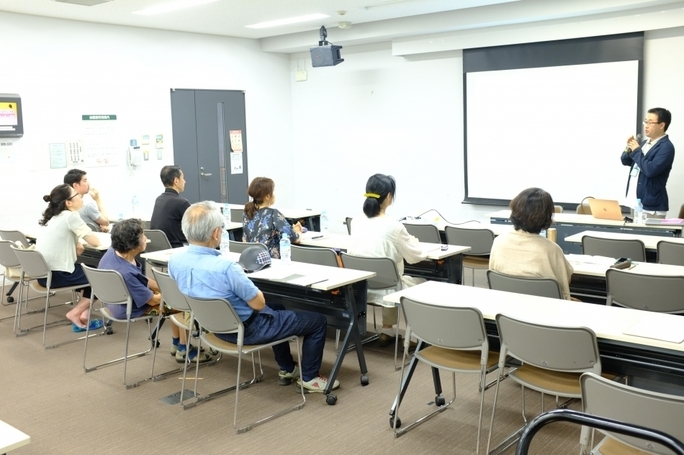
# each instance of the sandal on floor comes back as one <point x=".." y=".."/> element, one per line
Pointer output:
<point x="94" y="325"/>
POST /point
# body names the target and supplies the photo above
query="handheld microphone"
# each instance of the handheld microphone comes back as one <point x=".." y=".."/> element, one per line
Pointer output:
<point x="637" y="138"/>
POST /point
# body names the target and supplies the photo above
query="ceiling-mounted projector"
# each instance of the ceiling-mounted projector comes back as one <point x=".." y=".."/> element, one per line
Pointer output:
<point x="325" y="54"/>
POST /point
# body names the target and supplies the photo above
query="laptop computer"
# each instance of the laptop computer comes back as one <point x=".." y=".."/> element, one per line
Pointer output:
<point x="606" y="209"/>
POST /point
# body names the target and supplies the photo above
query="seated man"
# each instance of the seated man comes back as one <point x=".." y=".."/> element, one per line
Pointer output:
<point x="93" y="212"/>
<point x="170" y="206"/>
<point x="524" y="252"/>
<point x="202" y="272"/>
<point x="128" y="240"/>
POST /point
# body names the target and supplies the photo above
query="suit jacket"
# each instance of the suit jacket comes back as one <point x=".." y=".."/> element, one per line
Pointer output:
<point x="655" y="169"/>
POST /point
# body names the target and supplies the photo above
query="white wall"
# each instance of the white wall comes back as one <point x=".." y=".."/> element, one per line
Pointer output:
<point x="63" y="69"/>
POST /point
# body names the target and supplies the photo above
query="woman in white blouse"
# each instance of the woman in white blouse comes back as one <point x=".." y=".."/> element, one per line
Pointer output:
<point x="59" y="243"/>
<point x="376" y="235"/>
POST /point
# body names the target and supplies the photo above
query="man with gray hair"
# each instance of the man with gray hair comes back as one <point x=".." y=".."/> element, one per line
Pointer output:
<point x="202" y="272"/>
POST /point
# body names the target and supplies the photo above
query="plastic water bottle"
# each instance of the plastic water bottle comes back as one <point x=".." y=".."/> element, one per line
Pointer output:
<point x="325" y="223"/>
<point x="225" y="243"/>
<point x="134" y="204"/>
<point x="285" y="249"/>
<point x="638" y="212"/>
<point x="226" y="214"/>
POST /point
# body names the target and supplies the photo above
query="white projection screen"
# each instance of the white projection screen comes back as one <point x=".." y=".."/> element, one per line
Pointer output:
<point x="556" y="118"/>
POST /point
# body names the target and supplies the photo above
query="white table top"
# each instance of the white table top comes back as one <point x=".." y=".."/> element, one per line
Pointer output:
<point x="608" y="322"/>
<point x="319" y="277"/>
<point x="650" y="241"/>
<point x="287" y="212"/>
<point x="574" y="218"/>
<point x="342" y="241"/>
<point x="11" y="438"/>
<point x="598" y="265"/>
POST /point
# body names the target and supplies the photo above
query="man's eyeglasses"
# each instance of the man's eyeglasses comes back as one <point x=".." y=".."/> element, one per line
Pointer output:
<point x="650" y="122"/>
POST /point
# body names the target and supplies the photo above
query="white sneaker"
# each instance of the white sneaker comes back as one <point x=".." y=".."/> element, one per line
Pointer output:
<point x="285" y="378"/>
<point x="317" y="384"/>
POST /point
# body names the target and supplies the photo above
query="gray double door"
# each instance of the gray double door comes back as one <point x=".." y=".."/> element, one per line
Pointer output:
<point x="203" y="122"/>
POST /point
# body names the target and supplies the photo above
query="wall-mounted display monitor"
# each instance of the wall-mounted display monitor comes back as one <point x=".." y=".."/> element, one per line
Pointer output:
<point x="11" y="116"/>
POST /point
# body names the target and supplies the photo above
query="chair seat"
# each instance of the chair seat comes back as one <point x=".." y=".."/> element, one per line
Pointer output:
<point x="455" y="360"/>
<point x="476" y="262"/>
<point x="546" y="381"/>
<point x="105" y="311"/>
<point x="610" y="446"/>
<point x="180" y="320"/>
<point x="232" y="348"/>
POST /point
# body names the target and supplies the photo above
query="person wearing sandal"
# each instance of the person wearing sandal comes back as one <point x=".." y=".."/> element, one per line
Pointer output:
<point x="59" y="243"/>
<point x="128" y="240"/>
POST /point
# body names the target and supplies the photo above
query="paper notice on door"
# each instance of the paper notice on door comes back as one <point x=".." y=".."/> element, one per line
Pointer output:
<point x="235" y="163"/>
<point x="236" y="141"/>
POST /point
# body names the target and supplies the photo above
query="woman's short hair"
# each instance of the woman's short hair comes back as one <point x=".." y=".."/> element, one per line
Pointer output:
<point x="126" y="235"/>
<point x="379" y="185"/>
<point x="200" y="220"/>
<point x="532" y="210"/>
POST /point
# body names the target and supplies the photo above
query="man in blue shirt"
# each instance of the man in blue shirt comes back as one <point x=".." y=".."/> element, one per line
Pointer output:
<point x="202" y="272"/>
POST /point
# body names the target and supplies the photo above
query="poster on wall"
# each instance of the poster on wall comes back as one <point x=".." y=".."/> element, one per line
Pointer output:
<point x="100" y="140"/>
<point x="236" y="151"/>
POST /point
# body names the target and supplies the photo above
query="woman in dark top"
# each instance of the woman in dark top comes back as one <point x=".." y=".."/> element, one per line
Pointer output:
<point x="263" y="224"/>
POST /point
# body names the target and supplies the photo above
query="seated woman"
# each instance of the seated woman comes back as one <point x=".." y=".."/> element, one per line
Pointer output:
<point x="128" y="240"/>
<point x="263" y="224"/>
<point x="524" y="252"/>
<point x="59" y="243"/>
<point x="379" y="236"/>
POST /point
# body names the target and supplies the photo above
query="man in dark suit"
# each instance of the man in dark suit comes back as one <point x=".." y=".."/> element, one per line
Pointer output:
<point x="650" y="164"/>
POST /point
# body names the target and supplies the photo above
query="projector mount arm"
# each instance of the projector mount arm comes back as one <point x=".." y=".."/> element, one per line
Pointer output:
<point x="324" y="36"/>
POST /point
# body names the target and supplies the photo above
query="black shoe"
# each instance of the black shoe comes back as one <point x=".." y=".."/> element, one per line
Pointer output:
<point x="386" y="340"/>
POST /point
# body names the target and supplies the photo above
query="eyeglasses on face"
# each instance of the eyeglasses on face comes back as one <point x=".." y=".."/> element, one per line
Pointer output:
<point x="651" y="122"/>
<point x="73" y="196"/>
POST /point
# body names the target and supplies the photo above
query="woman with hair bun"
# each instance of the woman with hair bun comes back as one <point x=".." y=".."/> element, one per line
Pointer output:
<point x="59" y="243"/>
<point x="376" y="235"/>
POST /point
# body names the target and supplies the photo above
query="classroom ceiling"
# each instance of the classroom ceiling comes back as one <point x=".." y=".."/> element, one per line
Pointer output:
<point x="366" y="21"/>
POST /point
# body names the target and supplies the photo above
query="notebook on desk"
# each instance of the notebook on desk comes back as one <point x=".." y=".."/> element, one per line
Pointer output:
<point x="606" y="209"/>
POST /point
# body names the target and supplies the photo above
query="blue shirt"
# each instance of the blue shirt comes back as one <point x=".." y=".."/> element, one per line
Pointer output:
<point x="202" y="272"/>
<point x="135" y="281"/>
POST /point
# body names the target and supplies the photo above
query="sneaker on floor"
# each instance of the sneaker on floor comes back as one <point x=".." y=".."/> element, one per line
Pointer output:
<point x="386" y="340"/>
<point x="285" y="378"/>
<point x="174" y="349"/>
<point x="94" y="325"/>
<point x="317" y="384"/>
<point x="194" y="357"/>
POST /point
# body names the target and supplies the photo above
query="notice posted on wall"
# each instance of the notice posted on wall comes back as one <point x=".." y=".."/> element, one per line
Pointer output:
<point x="100" y="140"/>
<point x="236" y="155"/>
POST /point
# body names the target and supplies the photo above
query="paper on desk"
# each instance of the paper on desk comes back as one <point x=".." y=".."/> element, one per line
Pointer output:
<point x="285" y="274"/>
<point x="586" y="259"/>
<point x="657" y="330"/>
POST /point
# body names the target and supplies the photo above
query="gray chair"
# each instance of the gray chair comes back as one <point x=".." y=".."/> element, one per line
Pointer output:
<point x="584" y="208"/>
<point x="14" y="236"/>
<point x="348" y="222"/>
<point x="157" y="242"/>
<point x="658" y="293"/>
<point x="542" y="287"/>
<point x="552" y="358"/>
<point x="480" y="242"/>
<point x="110" y="288"/>
<point x="670" y="253"/>
<point x="236" y="215"/>
<point x="217" y="316"/>
<point x="614" y="248"/>
<point x="319" y="256"/>
<point x="614" y="400"/>
<point x="239" y="247"/>
<point x="458" y="343"/>
<point x="34" y="267"/>
<point x="426" y="233"/>
<point x="12" y="271"/>
<point x="557" y="209"/>
<point x="386" y="278"/>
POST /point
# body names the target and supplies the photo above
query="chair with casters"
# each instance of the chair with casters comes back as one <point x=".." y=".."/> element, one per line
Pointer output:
<point x="13" y="236"/>
<point x="480" y="242"/>
<point x="614" y="400"/>
<point x="157" y="242"/>
<point x="348" y="222"/>
<point x="425" y="233"/>
<point x="552" y="358"/>
<point x="670" y="253"/>
<point x="645" y="292"/>
<point x="457" y="342"/>
<point x="542" y="287"/>
<point x="110" y="288"/>
<point x="614" y="248"/>
<point x="386" y="279"/>
<point x="217" y="316"/>
<point x="34" y="267"/>
<point x="583" y="208"/>
<point x="239" y="247"/>
<point x="557" y="209"/>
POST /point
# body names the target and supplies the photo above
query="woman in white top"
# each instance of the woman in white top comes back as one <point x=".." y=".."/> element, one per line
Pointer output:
<point x="59" y="244"/>
<point x="380" y="236"/>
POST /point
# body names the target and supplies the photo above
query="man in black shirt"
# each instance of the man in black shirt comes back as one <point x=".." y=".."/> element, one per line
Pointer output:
<point x="170" y="206"/>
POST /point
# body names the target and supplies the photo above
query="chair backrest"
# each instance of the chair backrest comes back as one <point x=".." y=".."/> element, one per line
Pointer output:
<point x="448" y="327"/>
<point x="7" y="256"/>
<point x="566" y="349"/>
<point x="348" y="221"/>
<point x="109" y="286"/>
<point x="14" y="236"/>
<point x="239" y="247"/>
<point x="681" y="211"/>
<point x="557" y="209"/>
<point x="657" y="293"/>
<point x="158" y="240"/>
<point x="614" y="248"/>
<point x="386" y="274"/>
<point x="584" y="208"/>
<point x="479" y="240"/>
<point x="427" y="233"/>
<point x="215" y="315"/>
<point x="543" y="287"/>
<point x="614" y="400"/>
<point x="319" y="256"/>
<point x="236" y="215"/>
<point x="173" y="297"/>
<point x="670" y="253"/>
<point x="32" y="263"/>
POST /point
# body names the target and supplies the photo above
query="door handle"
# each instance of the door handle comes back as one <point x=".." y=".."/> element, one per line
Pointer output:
<point x="204" y="174"/>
